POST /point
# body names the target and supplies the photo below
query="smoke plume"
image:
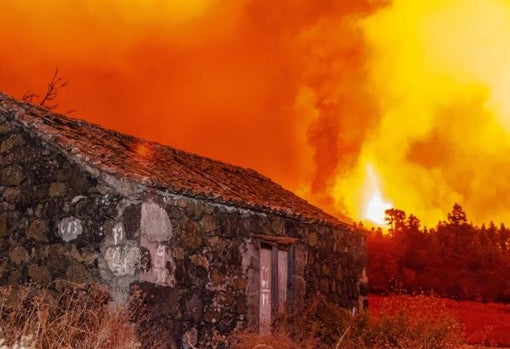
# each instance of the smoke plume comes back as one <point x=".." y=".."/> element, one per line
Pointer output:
<point x="347" y="103"/>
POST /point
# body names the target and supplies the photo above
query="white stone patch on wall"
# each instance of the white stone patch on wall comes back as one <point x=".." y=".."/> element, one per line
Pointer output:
<point x="159" y="269"/>
<point x="122" y="260"/>
<point x="190" y="338"/>
<point x="162" y="264"/>
<point x="155" y="224"/>
<point x="77" y="198"/>
<point x="118" y="233"/>
<point x="70" y="228"/>
<point x="156" y="231"/>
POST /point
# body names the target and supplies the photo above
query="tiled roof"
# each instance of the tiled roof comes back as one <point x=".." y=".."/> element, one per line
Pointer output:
<point x="158" y="166"/>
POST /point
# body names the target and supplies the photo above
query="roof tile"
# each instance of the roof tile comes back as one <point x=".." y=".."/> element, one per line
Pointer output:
<point x="163" y="167"/>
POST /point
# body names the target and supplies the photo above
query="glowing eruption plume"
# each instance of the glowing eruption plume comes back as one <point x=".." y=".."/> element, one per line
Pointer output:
<point x="375" y="205"/>
<point x="306" y="91"/>
<point x="441" y="82"/>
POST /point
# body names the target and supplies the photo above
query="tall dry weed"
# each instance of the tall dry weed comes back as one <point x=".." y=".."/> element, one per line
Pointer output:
<point x="78" y="317"/>
<point x="402" y="322"/>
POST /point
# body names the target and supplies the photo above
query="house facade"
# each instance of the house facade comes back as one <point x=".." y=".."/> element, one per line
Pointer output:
<point x="214" y="247"/>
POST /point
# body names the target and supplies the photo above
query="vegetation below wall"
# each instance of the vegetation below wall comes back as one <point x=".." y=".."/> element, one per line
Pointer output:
<point x="80" y="317"/>
<point x="401" y="322"/>
<point x="455" y="259"/>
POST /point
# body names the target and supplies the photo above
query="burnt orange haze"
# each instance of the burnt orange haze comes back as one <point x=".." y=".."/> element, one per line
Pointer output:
<point x="356" y="105"/>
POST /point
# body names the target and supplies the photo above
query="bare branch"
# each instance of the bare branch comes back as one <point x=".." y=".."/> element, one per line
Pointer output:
<point x="29" y="96"/>
<point x="56" y="84"/>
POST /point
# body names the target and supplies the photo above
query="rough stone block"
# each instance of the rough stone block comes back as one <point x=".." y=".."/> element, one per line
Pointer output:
<point x="3" y="268"/>
<point x="38" y="230"/>
<point x="131" y="217"/>
<point x="122" y="260"/>
<point x="312" y="239"/>
<point x="217" y="277"/>
<point x="89" y="255"/>
<point x="118" y="234"/>
<point x="216" y="244"/>
<point x="278" y="227"/>
<point x="155" y="223"/>
<point x="19" y="255"/>
<point x="75" y="254"/>
<point x="240" y="283"/>
<point x="226" y="299"/>
<point x="145" y="260"/>
<point x="3" y="226"/>
<point x="162" y="265"/>
<point x="209" y="223"/>
<point x="213" y="315"/>
<point x="57" y="189"/>
<point x="11" y="175"/>
<point x="194" y="307"/>
<point x="228" y="225"/>
<point x="6" y="128"/>
<point x="200" y="260"/>
<point x="56" y="260"/>
<point x="189" y="339"/>
<point x="39" y="274"/>
<point x="240" y="307"/>
<point x="11" y="142"/>
<point x="190" y="235"/>
<point x="77" y="272"/>
<point x="12" y="194"/>
<point x="15" y="277"/>
<point x="70" y="228"/>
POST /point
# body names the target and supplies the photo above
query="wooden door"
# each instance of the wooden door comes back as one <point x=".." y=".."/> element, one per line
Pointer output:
<point x="283" y="273"/>
<point x="274" y="269"/>
<point x="265" y="291"/>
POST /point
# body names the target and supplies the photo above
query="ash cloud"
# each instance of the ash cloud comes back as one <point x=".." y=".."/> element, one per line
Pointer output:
<point x="279" y="87"/>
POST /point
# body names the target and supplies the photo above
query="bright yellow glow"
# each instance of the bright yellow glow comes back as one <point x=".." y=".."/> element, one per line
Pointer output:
<point x="419" y="89"/>
<point x="440" y="74"/>
<point x="360" y="196"/>
<point x="376" y="206"/>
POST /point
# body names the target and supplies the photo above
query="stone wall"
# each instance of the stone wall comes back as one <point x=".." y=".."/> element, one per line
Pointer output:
<point x="53" y="217"/>
<point x="197" y="262"/>
<point x="336" y="266"/>
<point x="213" y="271"/>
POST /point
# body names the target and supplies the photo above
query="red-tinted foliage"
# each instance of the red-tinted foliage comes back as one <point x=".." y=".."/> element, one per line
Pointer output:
<point x="484" y="323"/>
<point x="455" y="259"/>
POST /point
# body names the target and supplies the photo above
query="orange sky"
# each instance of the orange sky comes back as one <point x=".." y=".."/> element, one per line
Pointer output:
<point x="344" y="104"/>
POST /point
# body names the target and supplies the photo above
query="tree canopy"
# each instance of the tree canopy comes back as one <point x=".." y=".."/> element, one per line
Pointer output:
<point x="455" y="259"/>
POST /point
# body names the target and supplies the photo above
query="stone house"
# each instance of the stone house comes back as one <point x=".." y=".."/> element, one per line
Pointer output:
<point x="214" y="246"/>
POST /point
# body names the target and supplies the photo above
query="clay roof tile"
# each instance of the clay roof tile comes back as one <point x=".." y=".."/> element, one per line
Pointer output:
<point x="166" y="168"/>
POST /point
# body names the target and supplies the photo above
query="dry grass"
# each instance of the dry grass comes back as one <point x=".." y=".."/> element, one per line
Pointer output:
<point x="77" y="317"/>
<point x="404" y="322"/>
<point x="278" y="340"/>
